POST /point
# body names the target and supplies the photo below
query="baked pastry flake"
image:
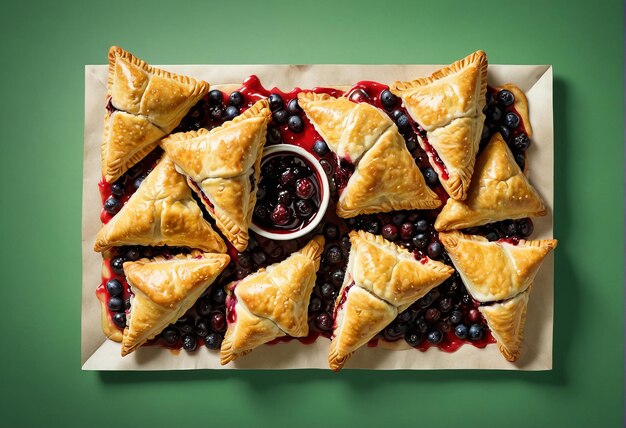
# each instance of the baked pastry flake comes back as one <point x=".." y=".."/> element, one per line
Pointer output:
<point x="145" y="104"/>
<point x="499" y="191"/>
<point x="272" y="302"/>
<point x="448" y="105"/>
<point x="164" y="289"/>
<point x="385" y="176"/>
<point x="382" y="279"/>
<point x="161" y="212"/>
<point x="223" y="167"/>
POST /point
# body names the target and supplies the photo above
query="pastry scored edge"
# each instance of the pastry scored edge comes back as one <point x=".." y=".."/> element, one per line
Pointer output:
<point x="382" y="279"/>
<point x="499" y="191"/>
<point x="386" y="177"/>
<point x="223" y="167"/>
<point x="448" y="106"/>
<point x="164" y="289"/>
<point x="145" y="104"/>
<point x="271" y="303"/>
<point x="497" y="270"/>
<point x="507" y="320"/>
<point x="161" y="212"/>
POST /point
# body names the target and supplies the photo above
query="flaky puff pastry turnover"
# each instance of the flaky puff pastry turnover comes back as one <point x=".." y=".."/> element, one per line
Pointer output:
<point x="161" y="212"/>
<point x="385" y="176"/>
<point x="144" y="104"/>
<point x="163" y="290"/>
<point x="271" y="303"/>
<point x="448" y="105"/>
<point x="499" y="191"/>
<point x="382" y="280"/>
<point x="223" y="167"/>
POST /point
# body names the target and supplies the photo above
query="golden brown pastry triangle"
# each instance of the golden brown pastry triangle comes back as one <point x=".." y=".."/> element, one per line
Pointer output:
<point x="161" y="212"/>
<point x="496" y="270"/>
<point x="448" y="106"/>
<point x="223" y="167"/>
<point x="382" y="279"/>
<point x="499" y="191"/>
<point x="144" y="105"/>
<point x="271" y="303"/>
<point x="163" y="290"/>
<point x="506" y="320"/>
<point x="385" y="177"/>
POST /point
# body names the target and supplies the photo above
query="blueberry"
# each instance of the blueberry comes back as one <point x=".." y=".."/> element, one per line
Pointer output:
<point x="476" y="332"/>
<point x="453" y="287"/>
<point x="119" y="319"/>
<point x="403" y="123"/>
<point x="505" y="132"/>
<point x="432" y="315"/>
<point x="422" y="225"/>
<point x="241" y="273"/>
<point x="398" y="218"/>
<point x="138" y="182"/>
<point x="273" y="135"/>
<point x="259" y="256"/>
<point x="373" y="226"/>
<point x="521" y="142"/>
<point x="494" y="113"/>
<point x="213" y="341"/>
<point x="218" y="295"/>
<point x="395" y="331"/>
<point x="466" y="299"/>
<point x="189" y="342"/>
<point x="114" y="287"/>
<point x="456" y="317"/>
<point x="508" y="227"/>
<point x="345" y="243"/>
<point x="460" y="331"/>
<point x="511" y="120"/>
<point x="492" y="236"/>
<point x="261" y="212"/>
<point x="217" y="111"/>
<point x="445" y="325"/>
<point x="430" y="176"/>
<point x="295" y="124"/>
<point x="304" y="188"/>
<point x="413" y="338"/>
<point x="525" y="227"/>
<point x="127" y="304"/>
<point x="327" y="166"/>
<point x="287" y="178"/>
<point x="324" y="321"/>
<point x="411" y="143"/>
<point x="117" y="265"/>
<point x="276" y="102"/>
<point x="216" y="97"/>
<point x="334" y="255"/>
<point x="435" y="250"/>
<point x="231" y="113"/>
<point x="117" y="189"/>
<point x="404" y="316"/>
<point x="421" y="325"/>
<point x="396" y="114"/>
<point x="293" y="107"/>
<point x="281" y="215"/>
<point x="327" y="291"/>
<point x="407" y="230"/>
<point x="331" y="231"/>
<point x="337" y="277"/>
<point x="434" y="336"/>
<point x="425" y="301"/>
<point x="186" y="325"/>
<point x="132" y="254"/>
<point x="285" y="197"/>
<point x="390" y="232"/>
<point x="388" y="99"/>
<point x="170" y="335"/>
<point x="420" y="241"/>
<point x="520" y="159"/>
<point x="202" y="327"/>
<point x="303" y="208"/>
<point x="236" y="99"/>
<point x="244" y="260"/>
<point x="116" y="304"/>
<point x="112" y="205"/>
<point x="204" y="306"/>
<point x="280" y="116"/>
<point x="320" y="148"/>
<point x="218" y="321"/>
<point x="506" y="97"/>
<point x="445" y="304"/>
<point x="315" y="305"/>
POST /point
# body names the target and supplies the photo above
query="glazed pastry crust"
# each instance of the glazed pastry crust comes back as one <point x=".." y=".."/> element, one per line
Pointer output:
<point x="149" y="104"/>
<point x="507" y="320"/>
<point x="223" y="166"/>
<point x="498" y="270"/>
<point x="386" y="177"/>
<point x="383" y="279"/>
<point x="438" y="103"/>
<point x="164" y="289"/>
<point x="499" y="191"/>
<point x="161" y="212"/>
<point x="272" y="302"/>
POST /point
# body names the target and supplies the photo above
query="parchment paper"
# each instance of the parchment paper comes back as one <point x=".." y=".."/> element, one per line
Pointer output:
<point x="98" y="353"/>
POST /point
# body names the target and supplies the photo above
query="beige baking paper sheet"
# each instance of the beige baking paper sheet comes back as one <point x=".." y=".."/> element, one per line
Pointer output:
<point x="99" y="353"/>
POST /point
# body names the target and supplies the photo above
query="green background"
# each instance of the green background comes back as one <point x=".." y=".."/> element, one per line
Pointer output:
<point x="45" y="46"/>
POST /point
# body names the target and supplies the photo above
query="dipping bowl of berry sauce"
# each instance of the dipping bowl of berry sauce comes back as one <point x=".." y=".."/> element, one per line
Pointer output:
<point x="293" y="193"/>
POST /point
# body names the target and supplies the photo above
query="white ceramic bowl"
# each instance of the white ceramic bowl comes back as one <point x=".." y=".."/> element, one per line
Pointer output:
<point x="325" y="190"/>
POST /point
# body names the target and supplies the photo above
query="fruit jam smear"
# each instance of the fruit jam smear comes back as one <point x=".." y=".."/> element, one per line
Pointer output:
<point x="447" y="317"/>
